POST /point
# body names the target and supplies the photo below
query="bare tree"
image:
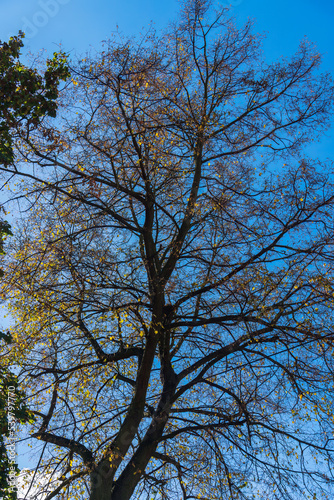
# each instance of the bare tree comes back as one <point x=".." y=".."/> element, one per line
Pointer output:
<point x="173" y="282"/>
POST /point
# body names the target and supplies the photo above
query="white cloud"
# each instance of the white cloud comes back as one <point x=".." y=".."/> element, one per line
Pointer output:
<point x="34" y="486"/>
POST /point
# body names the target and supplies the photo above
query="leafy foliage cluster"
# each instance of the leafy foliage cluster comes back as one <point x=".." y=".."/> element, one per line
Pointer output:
<point x="21" y="413"/>
<point x="25" y="96"/>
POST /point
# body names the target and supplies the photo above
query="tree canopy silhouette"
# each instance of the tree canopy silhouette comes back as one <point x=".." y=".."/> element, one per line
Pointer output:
<point x="172" y="284"/>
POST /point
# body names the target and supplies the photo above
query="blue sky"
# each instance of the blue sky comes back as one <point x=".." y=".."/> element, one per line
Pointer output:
<point x="79" y="24"/>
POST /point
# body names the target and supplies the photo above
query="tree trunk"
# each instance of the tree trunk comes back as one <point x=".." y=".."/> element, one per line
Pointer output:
<point x="133" y="472"/>
<point x="101" y="481"/>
